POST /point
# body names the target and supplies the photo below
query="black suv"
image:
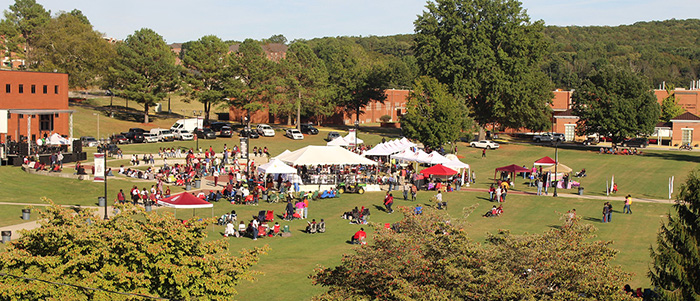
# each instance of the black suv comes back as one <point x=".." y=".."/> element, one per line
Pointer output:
<point x="216" y="126"/>
<point x="308" y="129"/>
<point x="636" y="142"/>
<point x="205" y="133"/>
<point x="246" y="132"/>
<point x="225" y="131"/>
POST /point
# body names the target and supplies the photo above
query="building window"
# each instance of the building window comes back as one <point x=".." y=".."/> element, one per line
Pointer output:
<point x="55" y="89"/>
<point x="21" y="88"/>
<point x="20" y="116"/>
<point x="569" y="132"/>
<point x="686" y="136"/>
<point x="33" y="89"/>
<point x="8" y="88"/>
<point x="46" y="89"/>
<point x="46" y="122"/>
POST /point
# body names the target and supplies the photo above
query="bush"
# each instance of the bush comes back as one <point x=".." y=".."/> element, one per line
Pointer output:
<point x="385" y="118"/>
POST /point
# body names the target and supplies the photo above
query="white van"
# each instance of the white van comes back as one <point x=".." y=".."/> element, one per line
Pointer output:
<point x="163" y="134"/>
<point x="188" y="124"/>
<point x="183" y="135"/>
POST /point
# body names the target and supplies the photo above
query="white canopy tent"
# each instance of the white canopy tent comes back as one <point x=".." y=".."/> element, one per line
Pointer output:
<point x="436" y="158"/>
<point x="390" y="147"/>
<point x="459" y="165"/>
<point x="56" y="139"/>
<point x="276" y="166"/>
<point x="324" y="155"/>
<point x="350" y="138"/>
<point x="286" y="151"/>
<point x="338" y="141"/>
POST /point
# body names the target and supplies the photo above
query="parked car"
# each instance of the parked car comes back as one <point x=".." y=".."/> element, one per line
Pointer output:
<point x="265" y="130"/>
<point x="294" y="134"/>
<point x="246" y="132"/>
<point x="225" y="131"/>
<point x="487" y="144"/>
<point x="205" y="133"/>
<point x="183" y="135"/>
<point x="216" y="126"/>
<point x="591" y="141"/>
<point x="89" y="141"/>
<point x="308" y="129"/>
<point x="549" y="137"/>
<point x="332" y="135"/>
<point x="149" y="137"/>
<point x="636" y="142"/>
<point x="163" y="134"/>
<point x="135" y="135"/>
<point x="119" y="139"/>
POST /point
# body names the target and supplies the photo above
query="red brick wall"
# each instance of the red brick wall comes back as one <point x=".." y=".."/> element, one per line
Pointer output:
<point x="36" y="100"/>
<point x="561" y="100"/>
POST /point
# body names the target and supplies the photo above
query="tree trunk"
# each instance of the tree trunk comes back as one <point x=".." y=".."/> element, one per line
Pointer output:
<point x="145" y="113"/>
<point x="299" y="112"/>
<point x="207" y="108"/>
<point x="289" y="119"/>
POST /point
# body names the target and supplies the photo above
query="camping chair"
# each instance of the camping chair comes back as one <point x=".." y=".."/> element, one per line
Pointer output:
<point x="249" y="199"/>
<point x="315" y="195"/>
<point x="261" y="215"/>
<point x="270" y="216"/>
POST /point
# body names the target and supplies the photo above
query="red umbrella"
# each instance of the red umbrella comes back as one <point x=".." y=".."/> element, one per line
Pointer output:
<point x="439" y="170"/>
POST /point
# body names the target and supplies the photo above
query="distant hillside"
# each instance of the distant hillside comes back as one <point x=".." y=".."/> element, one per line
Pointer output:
<point x="661" y="50"/>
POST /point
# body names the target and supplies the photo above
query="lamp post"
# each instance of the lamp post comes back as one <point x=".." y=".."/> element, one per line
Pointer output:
<point x="98" y="125"/>
<point x="556" y="165"/>
<point x="357" y="127"/>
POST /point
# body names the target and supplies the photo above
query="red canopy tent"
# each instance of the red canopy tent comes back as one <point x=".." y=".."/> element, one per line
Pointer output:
<point x="545" y="161"/>
<point x="513" y="168"/>
<point x="186" y="200"/>
<point x="439" y="170"/>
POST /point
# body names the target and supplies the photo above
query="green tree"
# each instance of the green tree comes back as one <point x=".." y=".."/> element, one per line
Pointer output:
<point x="134" y="252"/>
<point x="209" y="73"/>
<point x="355" y="79"/>
<point x="254" y="73"/>
<point x="433" y="115"/>
<point x="20" y="25"/>
<point x="68" y="43"/>
<point x="676" y="268"/>
<point x="669" y="107"/>
<point x="145" y="69"/>
<point x="487" y="52"/>
<point x="431" y="257"/>
<point x="302" y="85"/>
<point x="616" y="103"/>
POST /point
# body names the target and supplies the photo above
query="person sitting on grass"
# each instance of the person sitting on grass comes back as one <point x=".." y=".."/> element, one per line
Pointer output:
<point x="311" y="227"/>
<point x="241" y="229"/>
<point x="230" y="231"/>
<point x="359" y="237"/>
<point x="321" y="227"/>
<point x="418" y="210"/>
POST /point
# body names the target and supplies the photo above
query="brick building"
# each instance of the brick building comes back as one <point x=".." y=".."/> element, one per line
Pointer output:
<point x="34" y="104"/>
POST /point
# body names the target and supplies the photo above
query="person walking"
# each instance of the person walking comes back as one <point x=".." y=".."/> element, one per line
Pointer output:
<point x="498" y="193"/>
<point x="216" y="176"/>
<point x="414" y="191"/>
<point x="406" y="188"/>
<point x="628" y="203"/>
<point x="610" y="211"/>
<point x="483" y="153"/>
<point x="388" y="201"/>
<point x="605" y="212"/>
<point x="539" y="186"/>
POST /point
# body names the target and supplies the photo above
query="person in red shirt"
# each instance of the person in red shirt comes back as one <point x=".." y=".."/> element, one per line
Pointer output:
<point x="359" y="237"/>
<point x="388" y="201"/>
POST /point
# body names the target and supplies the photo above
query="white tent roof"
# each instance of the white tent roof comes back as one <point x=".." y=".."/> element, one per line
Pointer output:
<point x="276" y="166"/>
<point x="56" y="139"/>
<point x="436" y="158"/>
<point x="455" y="164"/>
<point x="390" y="147"/>
<point x="339" y="141"/>
<point x="286" y="151"/>
<point x="407" y="155"/>
<point x="350" y="138"/>
<point x="321" y="155"/>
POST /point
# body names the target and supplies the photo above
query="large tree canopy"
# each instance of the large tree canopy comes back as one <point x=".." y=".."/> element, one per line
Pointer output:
<point x="616" y="103"/>
<point x="68" y="43"/>
<point x="135" y="252"/>
<point x="676" y="268"/>
<point x="431" y="257"/>
<point x="252" y="89"/>
<point x="488" y="53"/>
<point x="145" y="69"/>
<point x="433" y="115"/>
<point x="302" y="84"/>
<point x="20" y="25"/>
<point x="209" y="73"/>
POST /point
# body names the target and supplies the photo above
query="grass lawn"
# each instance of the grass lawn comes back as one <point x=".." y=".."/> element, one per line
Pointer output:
<point x="291" y="260"/>
<point x="12" y="214"/>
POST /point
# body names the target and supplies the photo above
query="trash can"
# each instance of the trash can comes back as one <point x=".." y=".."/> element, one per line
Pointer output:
<point x="25" y="214"/>
<point x="101" y="201"/>
<point x="148" y="207"/>
<point x="197" y="183"/>
<point x="286" y="229"/>
<point x="6" y="236"/>
<point x="580" y="191"/>
<point x="188" y="186"/>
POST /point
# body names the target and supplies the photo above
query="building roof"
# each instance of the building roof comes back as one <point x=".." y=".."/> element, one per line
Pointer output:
<point x="664" y="125"/>
<point x="687" y="116"/>
<point x="567" y="113"/>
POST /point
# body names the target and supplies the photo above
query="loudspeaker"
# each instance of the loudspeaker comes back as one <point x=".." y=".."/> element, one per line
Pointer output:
<point x="23" y="149"/>
<point x="77" y="146"/>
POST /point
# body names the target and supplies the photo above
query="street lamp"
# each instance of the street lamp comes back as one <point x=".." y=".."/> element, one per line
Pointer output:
<point x="357" y="127"/>
<point x="556" y="165"/>
<point x="98" y="125"/>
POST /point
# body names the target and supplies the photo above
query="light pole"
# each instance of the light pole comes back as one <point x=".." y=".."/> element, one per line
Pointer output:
<point x="357" y="127"/>
<point x="556" y="165"/>
<point x="98" y="125"/>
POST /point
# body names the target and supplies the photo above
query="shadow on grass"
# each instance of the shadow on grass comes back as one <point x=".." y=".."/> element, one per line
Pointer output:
<point x="591" y="219"/>
<point x="380" y="208"/>
<point x="676" y="156"/>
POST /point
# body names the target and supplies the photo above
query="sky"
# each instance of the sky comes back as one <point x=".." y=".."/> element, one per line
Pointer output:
<point x="181" y="21"/>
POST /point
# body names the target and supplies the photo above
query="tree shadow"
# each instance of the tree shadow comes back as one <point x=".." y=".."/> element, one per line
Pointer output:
<point x="676" y="156"/>
<point x="558" y="227"/>
<point x="591" y="219"/>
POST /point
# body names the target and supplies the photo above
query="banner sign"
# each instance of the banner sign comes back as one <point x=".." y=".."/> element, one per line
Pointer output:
<point x="99" y="167"/>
